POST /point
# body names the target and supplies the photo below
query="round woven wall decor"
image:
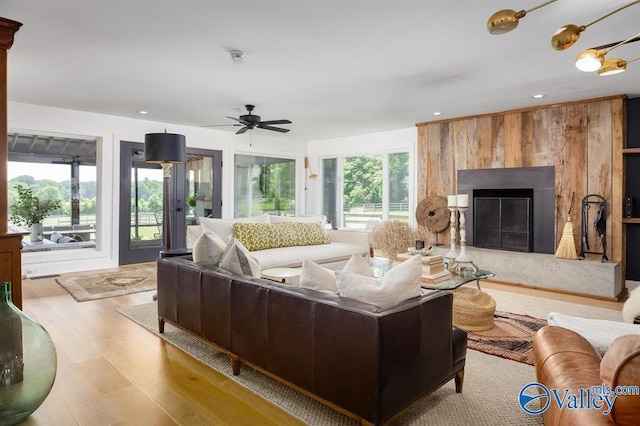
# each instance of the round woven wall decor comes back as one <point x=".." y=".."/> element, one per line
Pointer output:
<point x="433" y="213"/>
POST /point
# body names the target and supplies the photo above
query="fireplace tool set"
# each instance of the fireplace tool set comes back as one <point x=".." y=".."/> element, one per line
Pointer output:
<point x="599" y="225"/>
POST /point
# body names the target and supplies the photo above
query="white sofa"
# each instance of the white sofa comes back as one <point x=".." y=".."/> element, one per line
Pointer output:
<point x="332" y="256"/>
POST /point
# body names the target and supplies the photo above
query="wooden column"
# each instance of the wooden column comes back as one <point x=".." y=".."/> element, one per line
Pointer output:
<point x="10" y="256"/>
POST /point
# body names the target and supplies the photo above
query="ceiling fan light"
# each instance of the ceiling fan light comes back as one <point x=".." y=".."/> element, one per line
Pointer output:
<point x="590" y="60"/>
<point x="566" y="36"/>
<point x="613" y="66"/>
<point x="504" y="21"/>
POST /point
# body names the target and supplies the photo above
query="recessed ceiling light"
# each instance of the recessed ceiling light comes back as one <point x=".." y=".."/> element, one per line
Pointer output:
<point x="538" y="96"/>
<point x="142" y="112"/>
<point x="437" y="113"/>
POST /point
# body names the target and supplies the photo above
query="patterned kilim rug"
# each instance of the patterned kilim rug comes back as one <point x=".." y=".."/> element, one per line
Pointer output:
<point x="511" y="338"/>
<point x="103" y="283"/>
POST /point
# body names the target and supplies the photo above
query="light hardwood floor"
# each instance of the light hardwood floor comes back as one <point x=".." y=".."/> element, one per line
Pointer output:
<point x="113" y="372"/>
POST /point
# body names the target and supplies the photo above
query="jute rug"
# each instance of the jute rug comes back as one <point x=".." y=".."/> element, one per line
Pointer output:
<point x="511" y="337"/>
<point x="103" y="283"/>
<point x="489" y="396"/>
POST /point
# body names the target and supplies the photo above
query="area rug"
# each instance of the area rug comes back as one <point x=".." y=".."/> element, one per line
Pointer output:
<point x="511" y="337"/>
<point x="103" y="283"/>
<point x="489" y="396"/>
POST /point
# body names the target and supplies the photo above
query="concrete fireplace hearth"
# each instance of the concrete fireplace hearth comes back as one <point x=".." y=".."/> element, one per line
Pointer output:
<point x="544" y="271"/>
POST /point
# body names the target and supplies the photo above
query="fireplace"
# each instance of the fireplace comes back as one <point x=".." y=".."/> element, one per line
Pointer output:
<point x="503" y="219"/>
<point x="516" y="208"/>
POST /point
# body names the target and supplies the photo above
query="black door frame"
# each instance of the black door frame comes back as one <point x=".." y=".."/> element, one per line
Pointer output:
<point x="178" y="191"/>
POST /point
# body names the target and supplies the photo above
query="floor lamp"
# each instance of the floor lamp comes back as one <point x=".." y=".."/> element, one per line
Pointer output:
<point x="165" y="149"/>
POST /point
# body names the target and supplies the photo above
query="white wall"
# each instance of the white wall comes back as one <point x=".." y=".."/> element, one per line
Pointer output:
<point x="111" y="130"/>
<point x="370" y="143"/>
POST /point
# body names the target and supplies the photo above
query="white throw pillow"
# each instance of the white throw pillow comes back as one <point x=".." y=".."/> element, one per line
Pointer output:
<point x="224" y="227"/>
<point x="397" y="285"/>
<point x="237" y="260"/>
<point x="319" y="278"/>
<point x="208" y="249"/>
<point x="600" y="333"/>
<point x="359" y="264"/>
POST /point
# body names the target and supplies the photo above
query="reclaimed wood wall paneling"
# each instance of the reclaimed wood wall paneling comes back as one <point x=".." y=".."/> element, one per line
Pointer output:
<point x="497" y="141"/>
<point x="580" y="139"/>
<point x="599" y="151"/>
<point x="512" y="152"/>
<point x="422" y="164"/>
<point x="575" y="169"/>
<point x="619" y="124"/>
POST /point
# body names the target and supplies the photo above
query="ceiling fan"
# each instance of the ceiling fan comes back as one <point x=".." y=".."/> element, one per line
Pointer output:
<point x="250" y="121"/>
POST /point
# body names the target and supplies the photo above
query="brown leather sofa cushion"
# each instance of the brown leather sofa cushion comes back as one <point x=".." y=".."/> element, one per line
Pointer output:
<point x="621" y="367"/>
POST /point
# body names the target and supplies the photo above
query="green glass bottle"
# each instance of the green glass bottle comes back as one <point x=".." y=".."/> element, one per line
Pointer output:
<point x="27" y="361"/>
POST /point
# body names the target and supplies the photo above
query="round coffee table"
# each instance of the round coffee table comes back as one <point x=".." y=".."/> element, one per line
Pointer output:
<point x="282" y="275"/>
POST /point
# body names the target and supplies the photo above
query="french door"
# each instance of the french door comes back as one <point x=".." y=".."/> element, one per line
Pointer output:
<point x="195" y="190"/>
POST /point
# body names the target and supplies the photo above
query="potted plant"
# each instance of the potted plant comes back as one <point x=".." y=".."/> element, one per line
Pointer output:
<point x="30" y="211"/>
<point x="191" y="201"/>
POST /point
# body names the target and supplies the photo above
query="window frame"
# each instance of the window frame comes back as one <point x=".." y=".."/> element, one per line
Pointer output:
<point x="385" y="182"/>
<point x="295" y="158"/>
<point x="56" y="251"/>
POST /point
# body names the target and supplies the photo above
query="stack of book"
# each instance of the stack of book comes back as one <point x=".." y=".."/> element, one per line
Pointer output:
<point x="433" y="270"/>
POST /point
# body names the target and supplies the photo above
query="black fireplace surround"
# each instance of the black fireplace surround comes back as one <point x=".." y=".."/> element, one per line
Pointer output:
<point x="529" y="190"/>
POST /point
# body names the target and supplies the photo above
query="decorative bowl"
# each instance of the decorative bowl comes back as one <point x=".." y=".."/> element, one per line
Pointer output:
<point x="424" y="252"/>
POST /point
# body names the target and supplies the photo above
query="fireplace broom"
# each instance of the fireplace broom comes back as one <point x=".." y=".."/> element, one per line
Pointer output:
<point x="567" y="247"/>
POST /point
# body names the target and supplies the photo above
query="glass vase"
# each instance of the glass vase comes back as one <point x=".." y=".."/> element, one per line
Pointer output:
<point x="27" y="361"/>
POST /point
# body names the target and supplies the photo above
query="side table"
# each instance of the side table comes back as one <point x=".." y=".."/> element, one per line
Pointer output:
<point x="175" y="252"/>
<point x="283" y="275"/>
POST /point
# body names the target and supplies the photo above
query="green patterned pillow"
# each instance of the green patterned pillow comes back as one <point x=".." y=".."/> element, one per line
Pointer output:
<point x="260" y="236"/>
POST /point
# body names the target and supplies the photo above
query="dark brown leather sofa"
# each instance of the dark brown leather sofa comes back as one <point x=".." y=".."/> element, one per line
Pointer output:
<point x="371" y="363"/>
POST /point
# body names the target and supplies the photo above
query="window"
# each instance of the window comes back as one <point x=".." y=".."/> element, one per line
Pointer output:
<point x="264" y="185"/>
<point x="58" y="168"/>
<point x="374" y="187"/>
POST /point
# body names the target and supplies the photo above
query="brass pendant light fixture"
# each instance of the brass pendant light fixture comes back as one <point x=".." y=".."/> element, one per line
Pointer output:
<point x="592" y="60"/>
<point x="614" y="66"/>
<point x="566" y="36"/>
<point x="507" y="20"/>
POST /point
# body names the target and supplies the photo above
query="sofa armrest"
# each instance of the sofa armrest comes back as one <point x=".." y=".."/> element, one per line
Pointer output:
<point x="620" y="366"/>
<point x="566" y="360"/>
<point x="360" y="238"/>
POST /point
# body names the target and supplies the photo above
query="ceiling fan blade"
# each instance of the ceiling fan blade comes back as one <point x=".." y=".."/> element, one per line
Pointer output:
<point x="233" y="118"/>
<point x="221" y="125"/>
<point x="241" y="131"/>
<point x="275" y="129"/>
<point x="276" y="122"/>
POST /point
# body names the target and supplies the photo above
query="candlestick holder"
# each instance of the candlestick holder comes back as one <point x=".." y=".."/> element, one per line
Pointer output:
<point x="450" y="257"/>
<point x="463" y="261"/>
